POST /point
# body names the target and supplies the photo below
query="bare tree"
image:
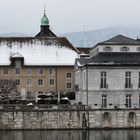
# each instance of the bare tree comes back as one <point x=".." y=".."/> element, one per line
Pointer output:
<point x="8" y="90"/>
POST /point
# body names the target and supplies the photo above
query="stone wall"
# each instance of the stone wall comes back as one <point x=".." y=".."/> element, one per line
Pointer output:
<point x="114" y="118"/>
<point x="41" y="119"/>
<point x="70" y="119"/>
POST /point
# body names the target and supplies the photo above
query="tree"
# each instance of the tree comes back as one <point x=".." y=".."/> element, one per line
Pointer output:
<point x="8" y="90"/>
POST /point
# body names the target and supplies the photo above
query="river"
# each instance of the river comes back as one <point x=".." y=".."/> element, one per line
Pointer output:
<point x="71" y="135"/>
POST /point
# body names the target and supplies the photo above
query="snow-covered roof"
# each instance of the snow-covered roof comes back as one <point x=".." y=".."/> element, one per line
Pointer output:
<point x="38" y="51"/>
<point x="16" y="55"/>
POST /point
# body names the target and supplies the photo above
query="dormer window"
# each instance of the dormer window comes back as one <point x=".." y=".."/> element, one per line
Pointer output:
<point x="108" y="49"/>
<point x="17" y="60"/>
<point x="138" y="49"/>
<point x="124" y="49"/>
<point x="17" y="70"/>
<point x="18" y="63"/>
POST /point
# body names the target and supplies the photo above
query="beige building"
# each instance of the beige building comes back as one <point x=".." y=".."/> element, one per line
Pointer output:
<point x="40" y="64"/>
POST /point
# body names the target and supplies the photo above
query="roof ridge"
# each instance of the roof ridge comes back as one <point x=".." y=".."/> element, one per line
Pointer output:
<point x="120" y="38"/>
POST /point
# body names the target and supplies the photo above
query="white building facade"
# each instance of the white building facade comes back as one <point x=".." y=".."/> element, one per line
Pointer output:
<point x="110" y="77"/>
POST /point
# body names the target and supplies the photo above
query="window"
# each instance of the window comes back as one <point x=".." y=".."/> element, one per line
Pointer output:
<point x="139" y="81"/>
<point x="51" y="70"/>
<point x="29" y="82"/>
<point x="106" y="116"/>
<point x="17" y="81"/>
<point x="128" y="80"/>
<point x="128" y="101"/>
<point x="68" y="75"/>
<point x="103" y="80"/>
<point x="40" y="82"/>
<point x="138" y="49"/>
<point x="132" y="117"/>
<point x="104" y="101"/>
<point x="40" y="92"/>
<point x="124" y="49"/>
<point x="40" y="71"/>
<point x="17" y="70"/>
<point x="5" y="70"/>
<point x="139" y="100"/>
<point x="69" y="85"/>
<point x="18" y="63"/>
<point x="29" y="71"/>
<point x="107" y="49"/>
<point x="51" y="82"/>
<point x="29" y="95"/>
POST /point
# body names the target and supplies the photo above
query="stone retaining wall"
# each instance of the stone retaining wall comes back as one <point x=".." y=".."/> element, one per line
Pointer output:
<point x="69" y="119"/>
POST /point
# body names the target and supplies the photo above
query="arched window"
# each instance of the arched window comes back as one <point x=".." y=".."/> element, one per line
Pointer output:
<point x="131" y="116"/>
<point x="107" y="116"/>
<point x="107" y="49"/>
<point x="124" y="49"/>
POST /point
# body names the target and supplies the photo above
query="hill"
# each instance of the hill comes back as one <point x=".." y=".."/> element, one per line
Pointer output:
<point x="90" y="38"/>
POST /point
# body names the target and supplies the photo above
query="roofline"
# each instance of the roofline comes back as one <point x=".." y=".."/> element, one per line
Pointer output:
<point x="51" y="65"/>
<point x="120" y="43"/>
<point x="72" y="45"/>
<point x="83" y="47"/>
<point x="103" y="65"/>
<point x="12" y="39"/>
<point x="116" y="64"/>
<point x="111" y="43"/>
<point x="28" y="37"/>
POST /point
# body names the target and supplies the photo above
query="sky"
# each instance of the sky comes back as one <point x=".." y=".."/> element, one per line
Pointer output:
<point x="68" y="15"/>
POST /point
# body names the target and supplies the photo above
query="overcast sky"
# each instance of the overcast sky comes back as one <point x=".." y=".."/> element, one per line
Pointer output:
<point x="68" y="15"/>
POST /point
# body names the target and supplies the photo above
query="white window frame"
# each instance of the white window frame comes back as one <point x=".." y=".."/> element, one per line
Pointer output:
<point x="28" y="95"/>
<point x="18" y="83"/>
<point x="108" y="49"/>
<point x="29" y="82"/>
<point x="69" y="76"/>
<point x="124" y="49"/>
<point x="29" y="71"/>
<point x="50" y="83"/>
<point x="51" y="71"/>
<point x="40" y="71"/>
<point x="104" y="101"/>
<point x="40" y="82"/>
<point x="5" y="71"/>
<point x="70" y="85"/>
<point x="17" y="71"/>
<point x="128" y="100"/>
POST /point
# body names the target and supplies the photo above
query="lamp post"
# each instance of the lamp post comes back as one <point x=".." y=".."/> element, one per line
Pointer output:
<point x="58" y="97"/>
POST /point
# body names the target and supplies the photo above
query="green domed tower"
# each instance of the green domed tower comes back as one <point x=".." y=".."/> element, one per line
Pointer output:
<point x="45" y="27"/>
<point x="44" y="20"/>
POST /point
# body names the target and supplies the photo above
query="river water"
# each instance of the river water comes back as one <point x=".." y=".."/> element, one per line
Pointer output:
<point x="71" y="135"/>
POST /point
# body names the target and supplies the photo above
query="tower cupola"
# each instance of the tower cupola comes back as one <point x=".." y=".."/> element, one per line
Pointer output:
<point x="44" y="19"/>
<point x="45" y="27"/>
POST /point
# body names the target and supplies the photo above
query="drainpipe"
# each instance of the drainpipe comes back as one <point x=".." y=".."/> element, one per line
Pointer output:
<point x="87" y="83"/>
<point x="87" y="96"/>
<point x="56" y="79"/>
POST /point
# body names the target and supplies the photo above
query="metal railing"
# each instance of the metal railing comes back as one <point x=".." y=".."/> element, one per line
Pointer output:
<point x="103" y="86"/>
<point x="12" y="107"/>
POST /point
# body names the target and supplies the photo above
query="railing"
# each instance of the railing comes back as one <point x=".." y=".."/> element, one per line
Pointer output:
<point x="103" y="86"/>
<point x="128" y="86"/>
<point x="12" y="107"/>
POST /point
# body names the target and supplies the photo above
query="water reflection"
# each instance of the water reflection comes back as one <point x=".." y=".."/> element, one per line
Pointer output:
<point x="71" y="135"/>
